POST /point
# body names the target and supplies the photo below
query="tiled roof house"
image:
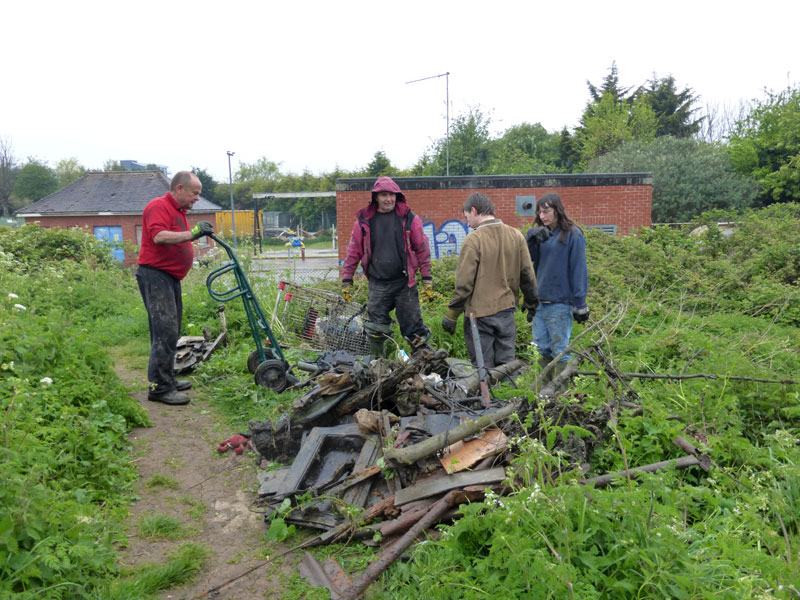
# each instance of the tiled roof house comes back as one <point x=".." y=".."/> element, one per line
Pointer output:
<point x="110" y="205"/>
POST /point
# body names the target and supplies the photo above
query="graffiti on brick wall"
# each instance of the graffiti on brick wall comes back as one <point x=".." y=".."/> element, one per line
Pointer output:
<point x="447" y="239"/>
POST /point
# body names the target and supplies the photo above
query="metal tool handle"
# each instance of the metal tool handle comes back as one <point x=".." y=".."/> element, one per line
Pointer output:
<point x="476" y="340"/>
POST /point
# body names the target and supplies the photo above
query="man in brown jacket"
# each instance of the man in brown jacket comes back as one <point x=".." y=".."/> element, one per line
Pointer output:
<point x="493" y="265"/>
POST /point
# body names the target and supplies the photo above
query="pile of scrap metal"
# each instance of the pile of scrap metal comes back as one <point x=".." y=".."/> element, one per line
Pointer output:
<point x="399" y="444"/>
<point x="194" y="349"/>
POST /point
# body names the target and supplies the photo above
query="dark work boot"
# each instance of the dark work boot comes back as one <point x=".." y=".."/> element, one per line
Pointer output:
<point x="182" y="385"/>
<point x="173" y="398"/>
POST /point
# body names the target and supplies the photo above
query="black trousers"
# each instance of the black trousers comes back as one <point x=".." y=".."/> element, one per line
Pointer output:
<point x="396" y="295"/>
<point x="161" y="293"/>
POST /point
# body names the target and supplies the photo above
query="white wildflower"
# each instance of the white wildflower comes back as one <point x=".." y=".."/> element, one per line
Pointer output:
<point x="13" y="297"/>
<point x="20" y="307"/>
<point x="46" y="380"/>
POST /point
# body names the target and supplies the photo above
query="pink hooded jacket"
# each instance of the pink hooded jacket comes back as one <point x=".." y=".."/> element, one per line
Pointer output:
<point x="415" y="242"/>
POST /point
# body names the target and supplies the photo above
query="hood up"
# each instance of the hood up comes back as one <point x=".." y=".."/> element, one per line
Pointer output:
<point x="386" y="184"/>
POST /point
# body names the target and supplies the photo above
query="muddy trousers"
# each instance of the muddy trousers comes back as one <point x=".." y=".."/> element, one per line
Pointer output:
<point x="161" y="293"/>
<point x="395" y="295"/>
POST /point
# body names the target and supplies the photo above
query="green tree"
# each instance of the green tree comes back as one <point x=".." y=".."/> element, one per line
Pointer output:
<point x="673" y="109"/>
<point x="524" y="148"/>
<point x="69" y="170"/>
<point x="8" y="175"/>
<point x="766" y="146"/>
<point x="689" y="176"/>
<point x="610" y="122"/>
<point x="380" y="165"/>
<point x="35" y="181"/>
<point x="468" y="146"/>
<point x="112" y="165"/>
<point x="209" y="183"/>
<point x="569" y="150"/>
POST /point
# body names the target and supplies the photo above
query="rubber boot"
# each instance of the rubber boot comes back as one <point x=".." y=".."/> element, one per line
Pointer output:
<point x="543" y="381"/>
<point x="558" y="368"/>
<point x="376" y="346"/>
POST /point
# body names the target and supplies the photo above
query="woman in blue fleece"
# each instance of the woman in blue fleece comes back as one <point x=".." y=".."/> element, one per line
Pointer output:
<point x="558" y="252"/>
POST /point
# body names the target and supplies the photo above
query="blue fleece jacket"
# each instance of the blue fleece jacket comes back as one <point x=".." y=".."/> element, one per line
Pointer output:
<point x="560" y="268"/>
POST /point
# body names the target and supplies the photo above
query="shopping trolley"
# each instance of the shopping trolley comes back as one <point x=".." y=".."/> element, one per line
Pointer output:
<point x="320" y="320"/>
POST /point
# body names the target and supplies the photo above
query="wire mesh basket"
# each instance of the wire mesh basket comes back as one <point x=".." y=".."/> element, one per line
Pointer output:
<point x="320" y="320"/>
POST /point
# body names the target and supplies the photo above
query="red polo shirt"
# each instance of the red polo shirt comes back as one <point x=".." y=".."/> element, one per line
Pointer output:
<point x="164" y="214"/>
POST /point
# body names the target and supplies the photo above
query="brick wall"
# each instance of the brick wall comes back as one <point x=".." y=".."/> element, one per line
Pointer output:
<point x="128" y="223"/>
<point x="620" y="200"/>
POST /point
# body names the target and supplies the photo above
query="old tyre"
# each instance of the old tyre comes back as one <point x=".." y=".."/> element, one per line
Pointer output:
<point x="272" y="374"/>
<point x="253" y="361"/>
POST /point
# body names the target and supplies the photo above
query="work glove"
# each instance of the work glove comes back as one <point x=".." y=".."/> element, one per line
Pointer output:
<point x="538" y="235"/>
<point x="202" y="228"/>
<point x="581" y="315"/>
<point x="449" y="321"/>
<point x="347" y="292"/>
<point x="427" y="290"/>
<point x="531" y="311"/>
<point x="238" y="443"/>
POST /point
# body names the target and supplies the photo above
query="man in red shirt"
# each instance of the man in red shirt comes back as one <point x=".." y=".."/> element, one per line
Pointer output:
<point x="165" y="258"/>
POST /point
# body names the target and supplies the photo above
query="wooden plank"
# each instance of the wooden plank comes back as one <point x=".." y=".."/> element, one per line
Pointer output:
<point x="449" y="482"/>
<point x="462" y="455"/>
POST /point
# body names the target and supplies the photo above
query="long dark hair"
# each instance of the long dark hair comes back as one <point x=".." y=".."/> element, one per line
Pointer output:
<point x="563" y="222"/>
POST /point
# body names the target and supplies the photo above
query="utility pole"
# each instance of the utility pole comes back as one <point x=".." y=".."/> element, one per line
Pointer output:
<point x="233" y="213"/>
<point x="447" y="106"/>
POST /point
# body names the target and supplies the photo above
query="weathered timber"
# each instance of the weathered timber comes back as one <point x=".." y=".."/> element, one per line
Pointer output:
<point x="389" y="555"/>
<point x="625" y="375"/>
<point x="679" y="463"/>
<point x="438" y="485"/>
<point x="412" y="454"/>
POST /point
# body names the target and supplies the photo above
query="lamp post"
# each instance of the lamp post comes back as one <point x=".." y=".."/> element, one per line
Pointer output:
<point x="233" y="213"/>
<point x="447" y="108"/>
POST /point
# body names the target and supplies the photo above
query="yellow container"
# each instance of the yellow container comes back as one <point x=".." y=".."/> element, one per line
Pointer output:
<point x="244" y="223"/>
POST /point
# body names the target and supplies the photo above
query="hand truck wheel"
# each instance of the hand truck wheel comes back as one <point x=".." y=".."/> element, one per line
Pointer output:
<point x="272" y="374"/>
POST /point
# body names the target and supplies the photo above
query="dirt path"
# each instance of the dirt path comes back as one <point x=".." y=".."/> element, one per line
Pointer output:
<point x="210" y="493"/>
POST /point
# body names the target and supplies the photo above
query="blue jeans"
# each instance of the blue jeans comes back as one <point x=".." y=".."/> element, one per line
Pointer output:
<point x="552" y="328"/>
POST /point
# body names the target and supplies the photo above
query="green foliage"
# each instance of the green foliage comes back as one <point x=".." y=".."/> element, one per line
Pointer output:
<point x="69" y="170"/>
<point x="689" y="176"/>
<point x="673" y="303"/>
<point x="468" y="146"/>
<point x="611" y="122"/>
<point x="209" y="184"/>
<point x="766" y="146"/>
<point x="673" y="109"/>
<point x="65" y="466"/>
<point x="380" y="165"/>
<point x="35" y="180"/>
<point x="524" y="148"/>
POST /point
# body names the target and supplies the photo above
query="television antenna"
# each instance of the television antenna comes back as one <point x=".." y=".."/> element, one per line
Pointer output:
<point x="447" y="105"/>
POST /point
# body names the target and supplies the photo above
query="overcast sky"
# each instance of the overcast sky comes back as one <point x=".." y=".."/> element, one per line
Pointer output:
<point x="313" y="85"/>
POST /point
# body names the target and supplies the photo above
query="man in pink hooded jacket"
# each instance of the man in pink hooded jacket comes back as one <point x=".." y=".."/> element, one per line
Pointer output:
<point x="389" y="242"/>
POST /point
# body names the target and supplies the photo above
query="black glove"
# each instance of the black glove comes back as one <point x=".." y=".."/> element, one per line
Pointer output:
<point x="531" y="313"/>
<point x="538" y="235"/>
<point x="581" y="315"/>
<point x="202" y="228"/>
<point x="449" y="325"/>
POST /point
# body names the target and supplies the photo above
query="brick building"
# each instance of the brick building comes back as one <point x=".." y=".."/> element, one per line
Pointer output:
<point x="617" y="203"/>
<point x="109" y="205"/>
